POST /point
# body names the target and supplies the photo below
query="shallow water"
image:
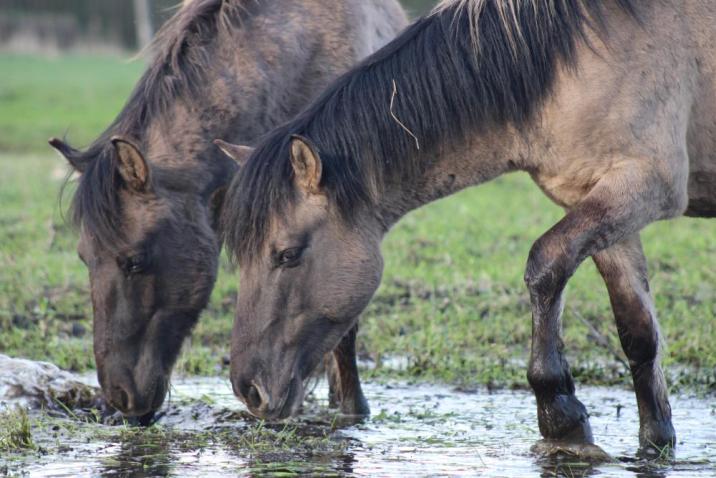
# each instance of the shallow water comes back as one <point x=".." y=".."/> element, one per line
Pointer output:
<point x="415" y="430"/>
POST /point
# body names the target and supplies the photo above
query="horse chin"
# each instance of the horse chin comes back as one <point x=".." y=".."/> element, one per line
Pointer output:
<point x="147" y="419"/>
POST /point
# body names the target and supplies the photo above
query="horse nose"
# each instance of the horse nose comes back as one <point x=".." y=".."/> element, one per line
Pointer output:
<point x="119" y="389"/>
<point x="254" y="398"/>
<point x="122" y="398"/>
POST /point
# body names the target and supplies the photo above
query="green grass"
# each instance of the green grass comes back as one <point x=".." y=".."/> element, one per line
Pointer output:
<point x="77" y="95"/>
<point x="452" y="303"/>
<point x="453" y="300"/>
<point x="15" y="432"/>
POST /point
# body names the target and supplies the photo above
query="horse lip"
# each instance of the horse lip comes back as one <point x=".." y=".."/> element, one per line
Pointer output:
<point x="286" y="406"/>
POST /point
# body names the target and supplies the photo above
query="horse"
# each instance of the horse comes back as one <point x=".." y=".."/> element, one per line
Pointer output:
<point x="609" y="105"/>
<point x="151" y="186"/>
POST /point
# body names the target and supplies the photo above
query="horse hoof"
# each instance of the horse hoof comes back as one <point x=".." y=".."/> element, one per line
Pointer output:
<point x="656" y="439"/>
<point x="564" y="418"/>
<point x="355" y="406"/>
<point x="587" y="452"/>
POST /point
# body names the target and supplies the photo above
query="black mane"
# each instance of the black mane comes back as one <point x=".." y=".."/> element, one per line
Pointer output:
<point x="470" y="63"/>
<point x="181" y="57"/>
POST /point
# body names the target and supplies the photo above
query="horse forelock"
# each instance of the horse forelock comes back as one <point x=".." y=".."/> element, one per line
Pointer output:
<point x="181" y="58"/>
<point x="96" y="207"/>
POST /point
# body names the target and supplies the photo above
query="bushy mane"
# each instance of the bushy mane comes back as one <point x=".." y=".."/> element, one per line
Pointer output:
<point x="181" y="56"/>
<point x="471" y="63"/>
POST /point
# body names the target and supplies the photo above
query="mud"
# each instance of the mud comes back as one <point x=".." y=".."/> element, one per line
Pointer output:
<point x="415" y="430"/>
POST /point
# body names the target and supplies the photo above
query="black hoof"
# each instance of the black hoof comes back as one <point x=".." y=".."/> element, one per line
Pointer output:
<point x="564" y="418"/>
<point x="657" y="439"/>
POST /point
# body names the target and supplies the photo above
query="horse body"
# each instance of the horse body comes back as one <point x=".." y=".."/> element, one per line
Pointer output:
<point x="626" y="138"/>
<point x="151" y="186"/>
<point x="608" y="105"/>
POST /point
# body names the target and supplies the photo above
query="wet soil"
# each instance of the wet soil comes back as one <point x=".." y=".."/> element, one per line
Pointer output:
<point x="415" y="430"/>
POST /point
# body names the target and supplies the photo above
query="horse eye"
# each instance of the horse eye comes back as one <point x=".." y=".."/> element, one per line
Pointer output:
<point x="136" y="263"/>
<point x="290" y="257"/>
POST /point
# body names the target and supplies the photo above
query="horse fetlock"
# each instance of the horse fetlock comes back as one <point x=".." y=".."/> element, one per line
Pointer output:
<point x="334" y="385"/>
<point x="344" y="388"/>
<point x="549" y="379"/>
<point x="563" y="417"/>
<point x="354" y="404"/>
<point x="349" y="400"/>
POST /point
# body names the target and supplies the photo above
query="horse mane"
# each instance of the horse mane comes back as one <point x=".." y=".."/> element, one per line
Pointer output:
<point x="181" y="56"/>
<point x="469" y="63"/>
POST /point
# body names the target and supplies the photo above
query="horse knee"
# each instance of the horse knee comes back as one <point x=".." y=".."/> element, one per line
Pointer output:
<point x="547" y="267"/>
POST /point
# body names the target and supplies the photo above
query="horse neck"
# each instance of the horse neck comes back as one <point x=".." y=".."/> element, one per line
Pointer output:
<point x="243" y="97"/>
<point x="455" y="166"/>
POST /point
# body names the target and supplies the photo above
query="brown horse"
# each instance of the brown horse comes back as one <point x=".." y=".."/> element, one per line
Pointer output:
<point x="609" y="105"/>
<point x="152" y="185"/>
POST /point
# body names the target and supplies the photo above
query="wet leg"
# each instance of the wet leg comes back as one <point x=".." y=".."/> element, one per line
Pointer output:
<point x="623" y="267"/>
<point x="622" y="203"/>
<point x="345" y="392"/>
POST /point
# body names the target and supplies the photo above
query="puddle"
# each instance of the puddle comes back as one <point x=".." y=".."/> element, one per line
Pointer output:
<point x="415" y="430"/>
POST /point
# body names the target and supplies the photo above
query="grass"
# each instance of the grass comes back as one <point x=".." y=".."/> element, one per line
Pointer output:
<point x="285" y="438"/>
<point x="45" y="97"/>
<point x="15" y="433"/>
<point x="452" y="304"/>
<point x="294" y="448"/>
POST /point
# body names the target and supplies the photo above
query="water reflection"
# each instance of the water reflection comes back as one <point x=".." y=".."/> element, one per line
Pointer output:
<point x="416" y="430"/>
<point x="140" y="453"/>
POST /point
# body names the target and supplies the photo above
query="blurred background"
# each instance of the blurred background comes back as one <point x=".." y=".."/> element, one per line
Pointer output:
<point x="52" y="26"/>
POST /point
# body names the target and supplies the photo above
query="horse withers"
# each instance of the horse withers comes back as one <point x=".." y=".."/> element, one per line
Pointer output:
<point x="152" y="184"/>
<point x="609" y="105"/>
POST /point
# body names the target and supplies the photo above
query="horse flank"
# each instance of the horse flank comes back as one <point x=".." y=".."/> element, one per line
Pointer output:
<point x="181" y="56"/>
<point x="469" y="64"/>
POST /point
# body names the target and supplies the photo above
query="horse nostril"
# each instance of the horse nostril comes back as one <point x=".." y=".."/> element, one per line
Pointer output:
<point x="123" y="398"/>
<point x="253" y="397"/>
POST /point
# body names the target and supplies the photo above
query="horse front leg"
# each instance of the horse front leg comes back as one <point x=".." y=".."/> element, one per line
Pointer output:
<point x="623" y="268"/>
<point x="344" y="388"/>
<point x="620" y="204"/>
<point x="561" y="416"/>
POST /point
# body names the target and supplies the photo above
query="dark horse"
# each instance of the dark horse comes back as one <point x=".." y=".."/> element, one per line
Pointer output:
<point x="609" y="105"/>
<point x="152" y="184"/>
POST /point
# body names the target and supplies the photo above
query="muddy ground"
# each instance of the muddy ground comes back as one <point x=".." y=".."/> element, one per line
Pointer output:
<point x="415" y="430"/>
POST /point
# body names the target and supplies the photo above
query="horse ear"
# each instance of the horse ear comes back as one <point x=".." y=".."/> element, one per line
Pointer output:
<point x="72" y="155"/>
<point x="132" y="166"/>
<point x="237" y="152"/>
<point x="307" y="167"/>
